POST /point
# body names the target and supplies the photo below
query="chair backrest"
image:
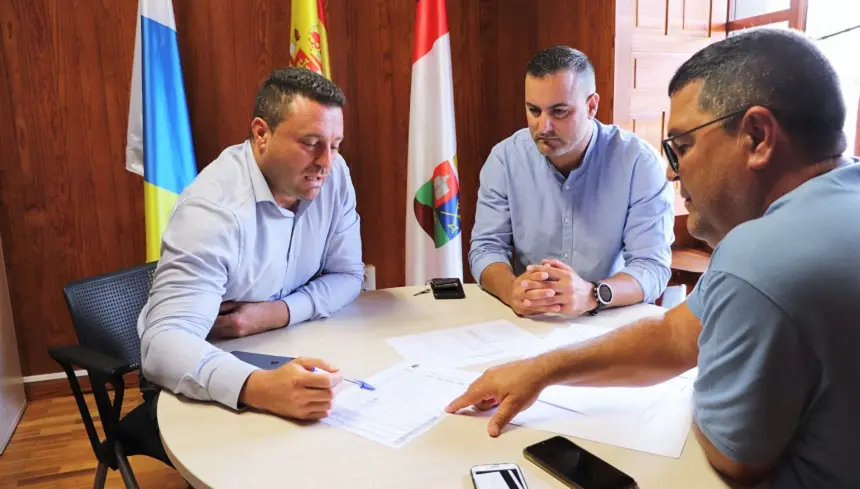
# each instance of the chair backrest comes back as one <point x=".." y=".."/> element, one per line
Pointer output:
<point x="105" y="309"/>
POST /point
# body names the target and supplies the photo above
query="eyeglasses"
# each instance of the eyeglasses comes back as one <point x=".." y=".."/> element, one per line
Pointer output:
<point x="667" y="143"/>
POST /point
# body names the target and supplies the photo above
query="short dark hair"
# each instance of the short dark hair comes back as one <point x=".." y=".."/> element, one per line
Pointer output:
<point x="561" y="58"/>
<point x="281" y="87"/>
<point x="779" y="69"/>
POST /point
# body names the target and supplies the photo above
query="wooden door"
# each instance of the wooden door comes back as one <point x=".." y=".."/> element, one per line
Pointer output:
<point x="12" y="399"/>
<point x="652" y="39"/>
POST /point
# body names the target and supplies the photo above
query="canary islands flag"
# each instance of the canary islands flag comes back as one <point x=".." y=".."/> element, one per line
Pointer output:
<point x="433" y="246"/>
<point x="309" y="39"/>
<point x="159" y="132"/>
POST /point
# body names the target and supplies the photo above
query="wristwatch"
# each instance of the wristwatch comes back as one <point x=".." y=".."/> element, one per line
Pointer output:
<point x="603" y="295"/>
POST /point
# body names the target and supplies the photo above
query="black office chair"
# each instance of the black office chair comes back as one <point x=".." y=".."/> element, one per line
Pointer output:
<point x="104" y="311"/>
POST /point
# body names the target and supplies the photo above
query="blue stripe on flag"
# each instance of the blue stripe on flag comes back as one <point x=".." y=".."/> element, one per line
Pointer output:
<point x="168" y="154"/>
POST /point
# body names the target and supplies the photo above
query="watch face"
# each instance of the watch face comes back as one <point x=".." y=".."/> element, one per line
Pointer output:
<point x="604" y="293"/>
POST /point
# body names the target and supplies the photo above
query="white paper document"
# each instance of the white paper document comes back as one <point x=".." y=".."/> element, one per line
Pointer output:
<point x="408" y="401"/>
<point x="560" y="337"/>
<point x="661" y="430"/>
<point x="466" y="345"/>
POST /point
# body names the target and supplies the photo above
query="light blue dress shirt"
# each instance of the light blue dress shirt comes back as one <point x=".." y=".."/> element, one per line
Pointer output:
<point x="612" y="214"/>
<point x="227" y="239"/>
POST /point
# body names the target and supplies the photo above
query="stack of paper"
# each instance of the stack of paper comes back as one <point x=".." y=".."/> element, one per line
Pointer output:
<point x="410" y="397"/>
<point x="660" y="429"/>
<point x="408" y="401"/>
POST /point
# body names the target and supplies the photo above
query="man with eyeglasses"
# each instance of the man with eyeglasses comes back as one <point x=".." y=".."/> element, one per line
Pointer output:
<point x="755" y="138"/>
<point x="573" y="215"/>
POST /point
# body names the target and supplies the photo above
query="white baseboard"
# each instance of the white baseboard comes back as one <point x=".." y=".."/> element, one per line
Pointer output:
<point x="54" y="376"/>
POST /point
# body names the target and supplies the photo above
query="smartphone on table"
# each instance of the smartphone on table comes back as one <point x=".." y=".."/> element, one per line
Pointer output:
<point x="498" y="476"/>
<point x="576" y="467"/>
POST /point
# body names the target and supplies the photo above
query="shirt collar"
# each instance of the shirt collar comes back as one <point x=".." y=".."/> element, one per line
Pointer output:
<point x="589" y="151"/>
<point x="262" y="192"/>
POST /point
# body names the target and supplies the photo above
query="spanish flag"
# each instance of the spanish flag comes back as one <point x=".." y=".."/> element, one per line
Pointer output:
<point x="433" y="226"/>
<point x="309" y="41"/>
<point x="159" y="143"/>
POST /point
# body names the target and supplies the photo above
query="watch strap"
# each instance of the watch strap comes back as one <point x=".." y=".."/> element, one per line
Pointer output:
<point x="597" y="308"/>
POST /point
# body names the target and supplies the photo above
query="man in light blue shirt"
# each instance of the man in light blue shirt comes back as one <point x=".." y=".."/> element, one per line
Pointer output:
<point x="589" y="199"/>
<point x="756" y="139"/>
<point x="266" y="236"/>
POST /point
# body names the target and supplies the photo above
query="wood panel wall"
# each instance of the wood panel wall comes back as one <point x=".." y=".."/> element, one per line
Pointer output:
<point x="653" y="39"/>
<point x="68" y="208"/>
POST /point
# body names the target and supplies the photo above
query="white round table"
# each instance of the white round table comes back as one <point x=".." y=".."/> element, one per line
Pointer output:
<point x="214" y="447"/>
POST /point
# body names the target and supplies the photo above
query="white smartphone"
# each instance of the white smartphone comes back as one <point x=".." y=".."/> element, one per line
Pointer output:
<point x="498" y="476"/>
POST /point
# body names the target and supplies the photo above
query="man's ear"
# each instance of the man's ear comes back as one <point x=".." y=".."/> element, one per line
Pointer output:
<point x="592" y="103"/>
<point x="260" y="133"/>
<point x="759" y="128"/>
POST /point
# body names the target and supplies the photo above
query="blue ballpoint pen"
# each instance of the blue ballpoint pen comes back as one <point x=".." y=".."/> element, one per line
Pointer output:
<point x="360" y="383"/>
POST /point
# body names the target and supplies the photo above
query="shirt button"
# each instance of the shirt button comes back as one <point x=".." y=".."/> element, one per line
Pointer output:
<point x="566" y="220"/>
<point x="567" y="187"/>
<point x="567" y="255"/>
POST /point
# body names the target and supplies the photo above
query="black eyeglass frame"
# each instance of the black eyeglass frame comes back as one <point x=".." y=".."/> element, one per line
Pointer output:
<point x="672" y="157"/>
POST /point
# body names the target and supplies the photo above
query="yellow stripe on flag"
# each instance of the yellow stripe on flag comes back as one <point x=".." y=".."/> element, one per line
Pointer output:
<point x="158" y="204"/>
<point x="308" y="37"/>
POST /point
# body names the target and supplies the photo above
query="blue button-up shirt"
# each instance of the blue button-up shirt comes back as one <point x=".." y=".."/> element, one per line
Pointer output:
<point x="228" y="240"/>
<point x="612" y="214"/>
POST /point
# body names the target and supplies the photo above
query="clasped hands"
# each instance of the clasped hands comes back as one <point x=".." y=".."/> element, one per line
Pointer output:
<point x="238" y="319"/>
<point x="551" y="287"/>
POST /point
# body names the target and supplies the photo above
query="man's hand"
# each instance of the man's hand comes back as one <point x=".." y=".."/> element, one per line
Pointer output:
<point x="293" y="390"/>
<point x="238" y="319"/>
<point x="513" y="387"/>
<point x="531" y="294"/>
<point x="571" y="296"/>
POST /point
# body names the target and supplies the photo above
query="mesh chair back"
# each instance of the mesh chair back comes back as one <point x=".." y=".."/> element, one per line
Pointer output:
<point x="105" y="309"/>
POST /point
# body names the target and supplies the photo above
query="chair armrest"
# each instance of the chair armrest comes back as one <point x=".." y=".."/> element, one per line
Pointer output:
<point x="89" y="359"/>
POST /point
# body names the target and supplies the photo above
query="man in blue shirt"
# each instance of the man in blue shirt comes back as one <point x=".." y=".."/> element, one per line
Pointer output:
<point x="588" y="199"/>
<point x="266" y="236"/>
<point x="755" y="138"/>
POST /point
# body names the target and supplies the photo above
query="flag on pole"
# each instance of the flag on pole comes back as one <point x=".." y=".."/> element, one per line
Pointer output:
<point x="309" y="41"/>
<point x="159" y="132"/>
<point x="433" y="246"/>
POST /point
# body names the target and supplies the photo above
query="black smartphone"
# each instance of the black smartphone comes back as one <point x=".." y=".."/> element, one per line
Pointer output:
<point x="575" y="466"/>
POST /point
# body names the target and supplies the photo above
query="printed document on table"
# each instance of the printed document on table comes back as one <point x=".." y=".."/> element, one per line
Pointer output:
<point x="466" y="345"/>
<point x="560" y="337"/>
<point x="654" y="419"/>
<point x="605" y="402"/>
<point x="662" y="429"/>
<point x="408" y="401"/>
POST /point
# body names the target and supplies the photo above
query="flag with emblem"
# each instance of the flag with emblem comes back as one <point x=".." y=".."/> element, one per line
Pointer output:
<point x="308" y="38"/>
<point x="433" y="245"/>
<point x="159" y="146"/>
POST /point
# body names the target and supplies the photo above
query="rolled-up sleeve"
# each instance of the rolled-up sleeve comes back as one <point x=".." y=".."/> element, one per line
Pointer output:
<point x="492" y="235"/>
<point x="342" y="274"/>
<point x="199" y="247"/>
<point x="648" y="231"/>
